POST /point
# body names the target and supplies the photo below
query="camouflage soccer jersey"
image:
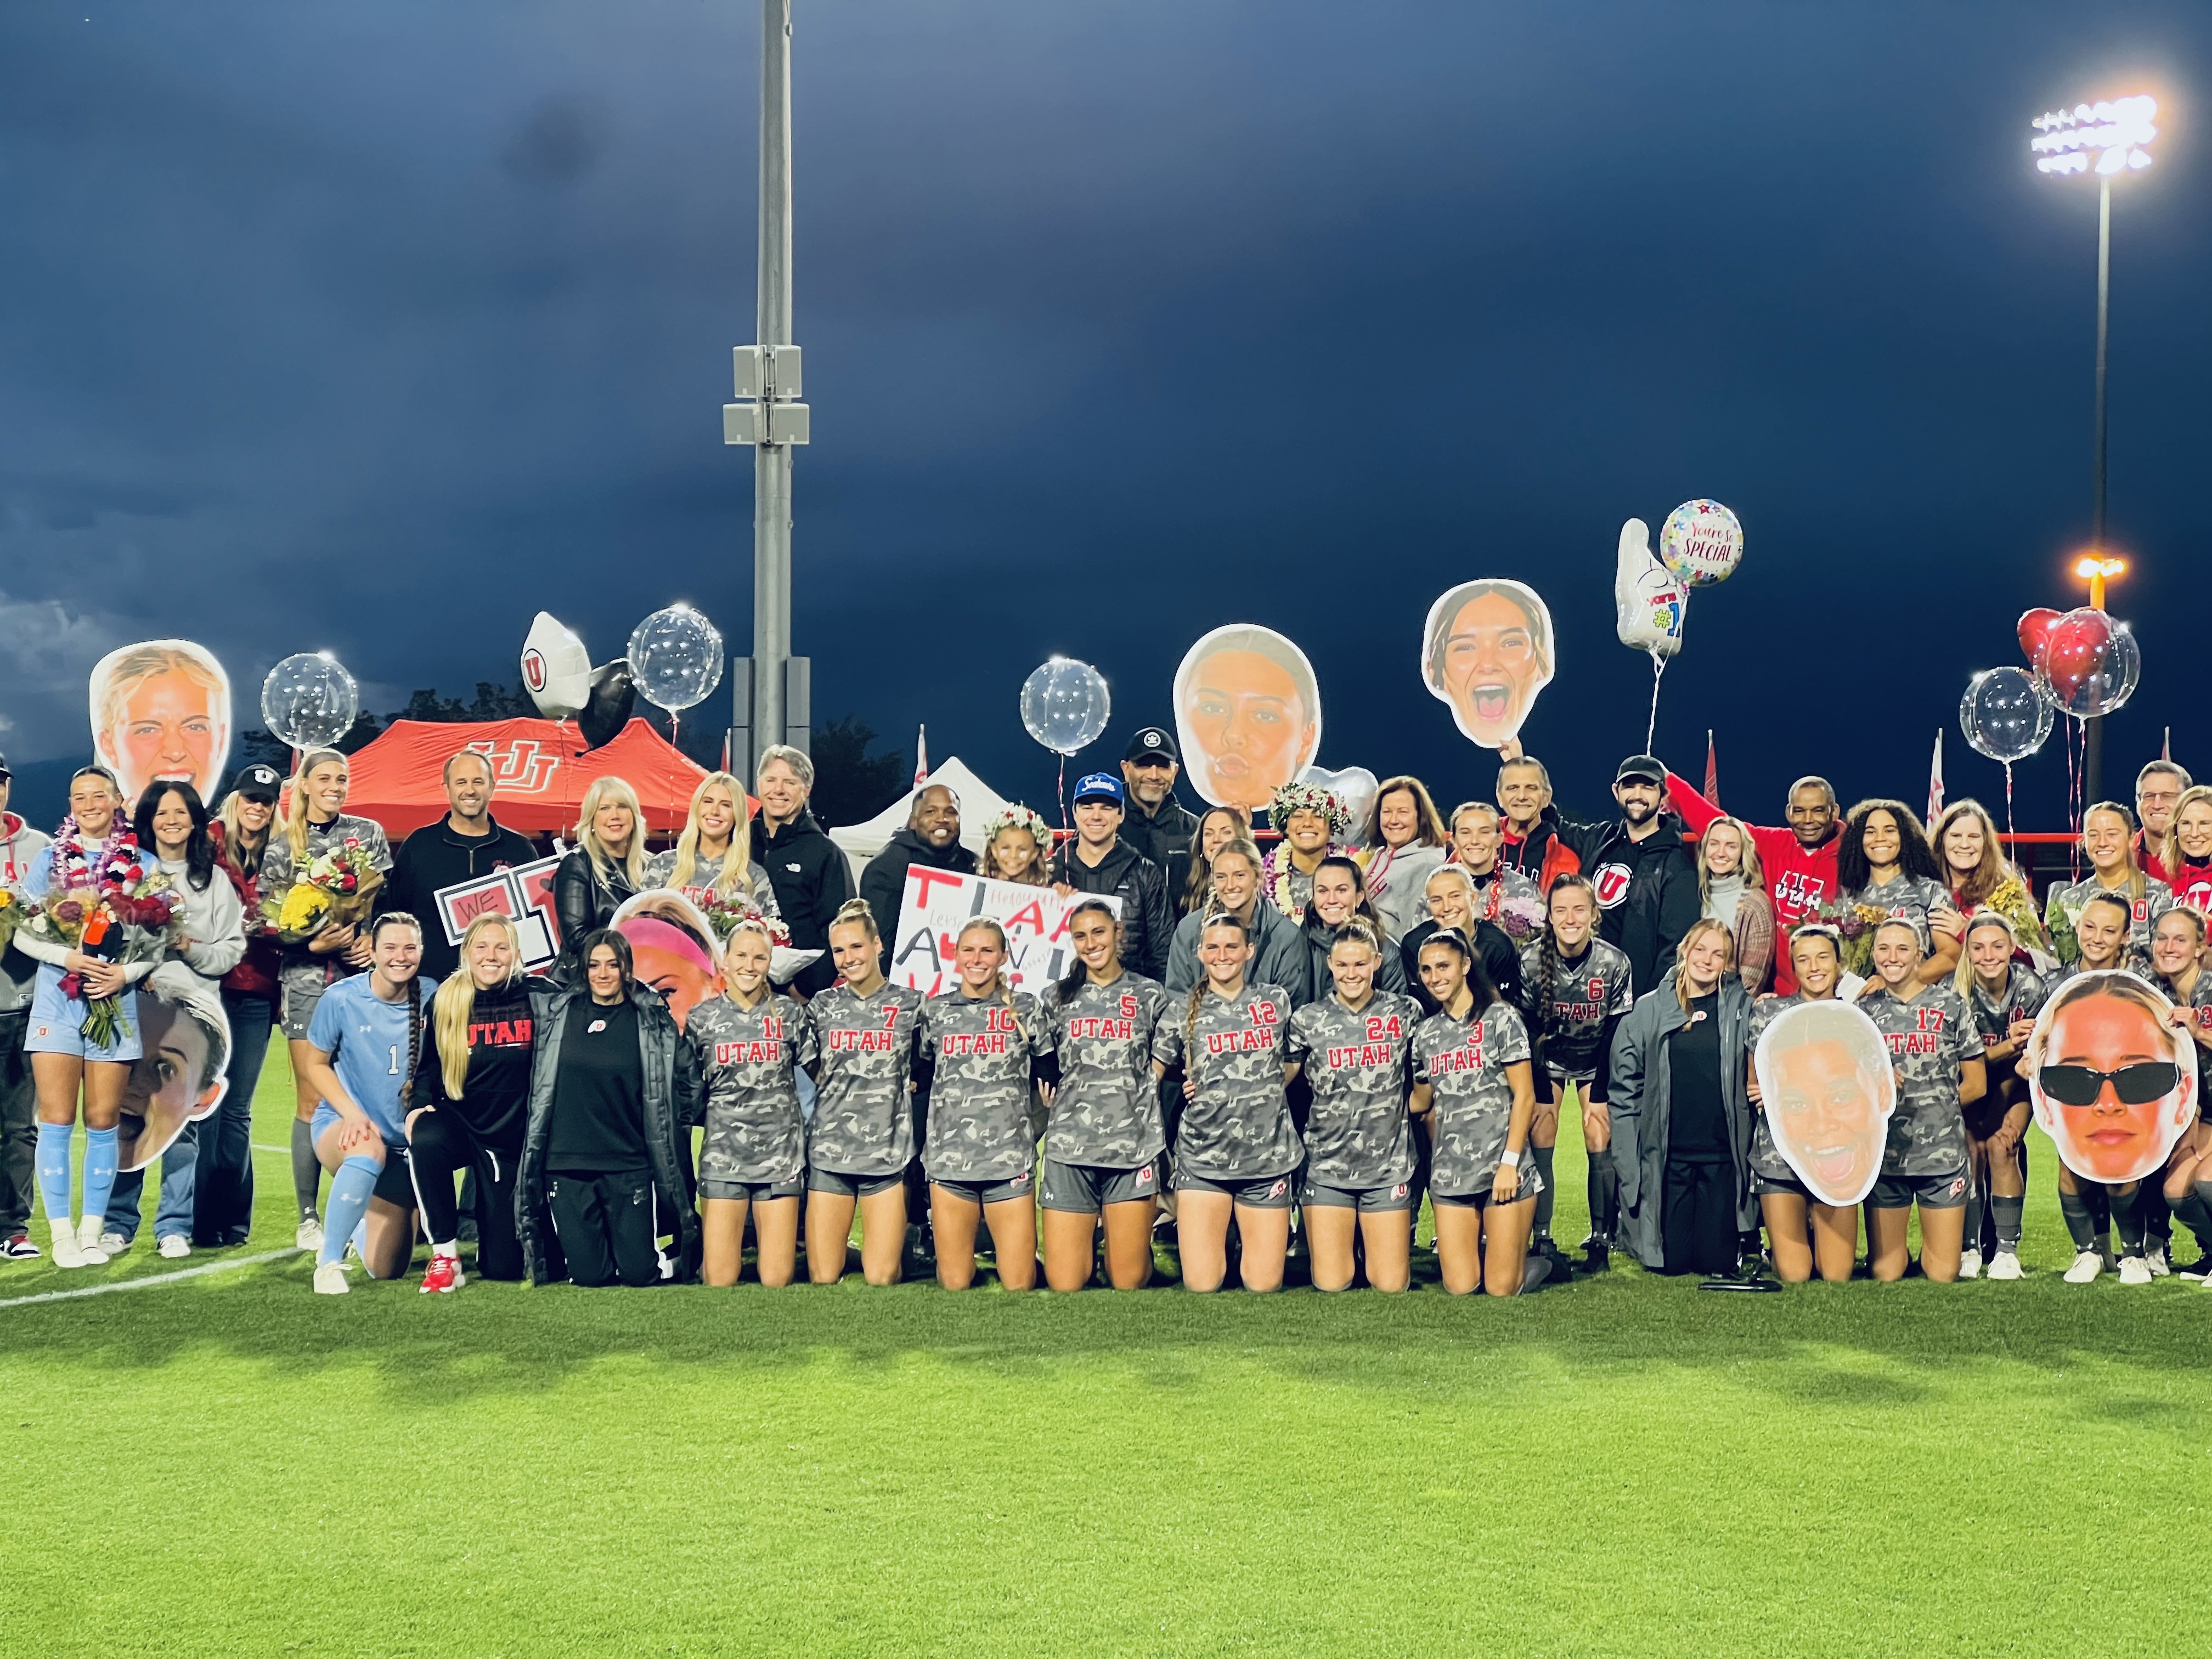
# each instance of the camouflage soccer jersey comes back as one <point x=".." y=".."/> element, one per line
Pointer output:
<point x="1929" y="1039"/>
<point x="1584" y="993"/>
<point x="1356" y="1062"/>
<point x="1106" y="1110"/>
<point x="2064" y="910"/>
<point x="754" y="1131"/>
<point x="1464" y="1063"/>
<point x="980" y="1052"/>
<point x="860" y="1050"/>
<point x="1907" y="898"/>
<point x="1238" y="1127"/>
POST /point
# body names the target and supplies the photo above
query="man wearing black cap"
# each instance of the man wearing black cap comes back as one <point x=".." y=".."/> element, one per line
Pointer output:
<point x="1098" y="861"/>
<point x="21" y="846"/>
<point x="1647" y="886"/>
<point x="467" y="843"/>
<point x="1157" y="825"/>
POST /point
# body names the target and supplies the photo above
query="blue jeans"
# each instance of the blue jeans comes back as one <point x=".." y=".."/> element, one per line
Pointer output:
<point x="222" y="1204"/>
<point x="173" y="1214"/>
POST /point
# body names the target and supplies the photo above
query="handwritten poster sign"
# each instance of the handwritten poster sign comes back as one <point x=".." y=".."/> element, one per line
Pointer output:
<point x="522" y="892"/>
<point x="939" y="903"/>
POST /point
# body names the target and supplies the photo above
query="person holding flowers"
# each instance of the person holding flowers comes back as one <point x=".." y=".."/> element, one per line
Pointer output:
<point x="712" y="858"/>
<point x="1889" y="872"/>
<point x="2108" y="837"/>
<point x="318" y="880"/>
<point x="1982" y="879"/>
<point x="97" y="920"/>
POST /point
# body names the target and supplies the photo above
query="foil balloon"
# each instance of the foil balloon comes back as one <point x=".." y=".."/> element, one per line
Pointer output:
<point x="309" y="700"/>
<point x="1650" y="602"/>
<point x="2003" y="715"/>
<point x="1487" y="650"/>
<point x="1247" y="714"/>
<point x="2090" y="665"/>
<point x="1065" y="704"/>
<point x="2111" y="1079"/>
<point x="1355" y="788"/>
<point x="1702" y="542"/>
<point x="607" y="710"/>
<point x="162" y="709"/>
<point x="556" y="671"/>
<point x="2035" y="631"/>
<point x="676" y="658"/>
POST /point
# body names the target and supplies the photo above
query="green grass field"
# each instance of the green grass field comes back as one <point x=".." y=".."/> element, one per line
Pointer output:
<point x="229" y="1464"/>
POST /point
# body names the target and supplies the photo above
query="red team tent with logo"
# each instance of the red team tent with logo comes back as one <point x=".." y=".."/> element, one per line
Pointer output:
<point x="539" y="771"/>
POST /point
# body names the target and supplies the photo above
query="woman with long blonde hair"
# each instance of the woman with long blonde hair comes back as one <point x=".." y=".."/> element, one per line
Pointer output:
<point x="607" y="864"/>
<point x="2108" y="837"/>
<point x="315" y="823"/>
<point x="1732" y="890"/>
<point x="712" y="859"/>
<point x="473" y="1091"/>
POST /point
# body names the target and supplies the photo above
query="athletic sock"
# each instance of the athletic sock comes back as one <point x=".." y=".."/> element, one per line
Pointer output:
<point x="2099" y="1201"/>
<point x="2007" y="1212"/>
<point x="2200" y="1193"/>
<point x="351" y="1188"/>
<point x="2080" y="1226"/>
<point x="101" y="1155"/>
<point x="307" y="1168"/>
<point x="359" y="1238"/>
<point x="1975" y="1205"/>
<point x="53" y="1155"/>
<point x="1546" y="1197"/>
<point x="2127" y="1218"/>
<point x="1602" y="1192"/>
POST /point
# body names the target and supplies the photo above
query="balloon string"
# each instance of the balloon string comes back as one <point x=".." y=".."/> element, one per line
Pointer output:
<point x="2012" y="832"/>
<point x="1061" y="790"/>
<point x="1651" y="728"/>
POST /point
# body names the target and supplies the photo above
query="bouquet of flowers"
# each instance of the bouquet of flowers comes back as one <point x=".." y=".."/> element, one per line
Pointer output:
<point x="1521" y="917"/>
<point x="11" y="916"/>
<point x="723" y="915"/>
<point x="109" y="906"/>
<point x="1856" y="923"/>
<point x="336" y="887"/>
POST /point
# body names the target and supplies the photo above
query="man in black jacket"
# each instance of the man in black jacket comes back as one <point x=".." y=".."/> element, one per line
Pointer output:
<point x="1099" y="862"/>
<point x="464" y="844"/>
<point x="1157" y="825"/>
<point x="931" y="838"/>
<point x="1647" y="886"/>
<point x="806" y="867"/>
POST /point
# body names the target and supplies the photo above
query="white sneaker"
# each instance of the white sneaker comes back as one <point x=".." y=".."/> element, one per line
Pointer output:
<point x="2155" y="1259"/>
<point x="88" y="1229"/>
<point x="331" y="1278"/>
<point x="2086" y="1265"/>
<point x="2004" y="1265"/>
<point x="113" y="1243"/>
<point x="310" y="1236"/>
<point x="176" y="1247"/>
<point x="1970" y="1264"/>
<point x="2134" y="1270"/>
<point x="68" y="1252"/>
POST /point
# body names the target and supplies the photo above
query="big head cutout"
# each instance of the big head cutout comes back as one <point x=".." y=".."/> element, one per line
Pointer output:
<point x="1487" y="650"/>
<point x="162" y="709"/>
<point x="1826" y="1086"/>
<point x="1247" y="714"/>
<point x="673" y="947"/>
<point x="2113" y="1083"/>
<point x="182" y="1073"/>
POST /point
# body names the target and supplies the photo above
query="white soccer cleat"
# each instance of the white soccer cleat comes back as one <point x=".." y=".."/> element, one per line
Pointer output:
<point x="2155" y="1259"/>
<point x="1970" y="1264"/>
<point x="310" y="1236"/>
<point x="68" y="1252"/>
<point x="2004" y="1265"/>
<point x="2134" y="1270"/>
<point x="2086" y="1265"/>
<point x="331" y="1278"/>
<point x="175" y="1247"/>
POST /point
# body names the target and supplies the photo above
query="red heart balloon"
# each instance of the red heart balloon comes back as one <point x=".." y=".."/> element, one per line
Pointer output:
<point x="2034" y="630"/>
<point x="2074" y="649"/>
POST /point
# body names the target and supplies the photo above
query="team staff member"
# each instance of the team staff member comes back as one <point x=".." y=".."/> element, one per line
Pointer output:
<point x="1578" y="989"/>
<point x="1238" y="1150"/>
<point x="1158" y="825"/>
<point x="467" y="843"/>
<point x="1532" y="844"/>
<point x="21" y="846"/>
<point x="857" y="1041"/>
<point x="1105" y="1140"/>
<point x="752" y="1159"/>
<point x="363" y="1048"/>
<point x="1403" y="843"/>
<point x="1646" y="884"/>
<point x="931" y="839"/>
<point x="1353" y="1048"/>
<point x="1799" y="862"/>
<point x="1099" y="862"/>
<point x="472" y="1095"/>
<point x="810" y="874"/>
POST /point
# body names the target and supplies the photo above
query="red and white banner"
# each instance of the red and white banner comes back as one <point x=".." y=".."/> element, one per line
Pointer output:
<point x="937" y="903"/>
<point x="523" y="892"/>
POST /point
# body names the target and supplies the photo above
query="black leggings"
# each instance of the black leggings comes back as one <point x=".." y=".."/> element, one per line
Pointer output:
<point x="607" y="1226"/>
<point x="441" y="1146"/>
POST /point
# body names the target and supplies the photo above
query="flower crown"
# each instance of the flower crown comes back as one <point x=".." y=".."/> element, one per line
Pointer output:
<point x="1299" y="796"/>
<point x="1018" y="817"/>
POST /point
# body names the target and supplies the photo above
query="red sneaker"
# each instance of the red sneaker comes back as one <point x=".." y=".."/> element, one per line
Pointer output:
<point x="443" y="1274"/>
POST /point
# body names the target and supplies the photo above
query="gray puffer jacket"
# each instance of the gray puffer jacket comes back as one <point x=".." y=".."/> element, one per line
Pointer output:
<point x="1282" y="958"/>
<point x="1638" y="1103"/>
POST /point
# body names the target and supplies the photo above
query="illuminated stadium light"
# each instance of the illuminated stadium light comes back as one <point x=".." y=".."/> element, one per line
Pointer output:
<point x="2110" y="137"/>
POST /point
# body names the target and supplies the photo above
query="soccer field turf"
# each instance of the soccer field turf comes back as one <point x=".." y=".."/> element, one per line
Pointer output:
<point x="230" y="1464"/>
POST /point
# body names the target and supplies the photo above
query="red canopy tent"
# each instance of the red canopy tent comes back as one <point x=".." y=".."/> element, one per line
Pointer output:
<point x="539" y="768"/>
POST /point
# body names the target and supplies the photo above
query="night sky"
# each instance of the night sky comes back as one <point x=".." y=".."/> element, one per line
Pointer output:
<point x="378" y="328"/>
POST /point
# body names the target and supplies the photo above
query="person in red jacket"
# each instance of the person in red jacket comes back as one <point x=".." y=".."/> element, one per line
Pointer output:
<point x="1531" y="842"/>
<point x="1799" y="861"/>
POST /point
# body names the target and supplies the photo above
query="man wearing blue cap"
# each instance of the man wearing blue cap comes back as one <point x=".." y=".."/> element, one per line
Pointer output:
<point x="1099" y="862"/>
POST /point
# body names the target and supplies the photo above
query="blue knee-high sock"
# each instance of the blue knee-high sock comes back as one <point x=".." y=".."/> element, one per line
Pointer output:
<point x="101" y="1155"/>
<point x="351" y="1188"/>
<point x="54" y="1143"/>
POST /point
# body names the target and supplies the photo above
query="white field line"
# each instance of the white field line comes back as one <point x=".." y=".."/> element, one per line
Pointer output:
<point x="154" y="1279"/>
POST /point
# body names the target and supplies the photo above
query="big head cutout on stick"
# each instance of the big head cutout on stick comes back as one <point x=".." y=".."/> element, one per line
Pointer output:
<point x="1826" y="1086"/>
<point x="183" y="1074"/>
<point x="1247" y="714"/>
<point x="1486" y="650"/>
<point x="162" y="709"/>
<point x="2113" y="1082"/>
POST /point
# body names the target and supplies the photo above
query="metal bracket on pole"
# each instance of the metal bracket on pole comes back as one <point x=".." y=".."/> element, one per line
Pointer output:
<point x="799" y="704"/>
<point x="741" y="716"/>
<point x="768" y="380"/>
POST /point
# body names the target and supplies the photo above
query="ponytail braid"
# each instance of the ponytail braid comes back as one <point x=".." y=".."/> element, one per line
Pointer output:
<point x="414" y="1043"/>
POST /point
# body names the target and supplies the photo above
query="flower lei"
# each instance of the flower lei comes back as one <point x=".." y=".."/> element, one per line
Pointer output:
<point x="1020" y="818"/>
<point x="112" y="871"/>
<point x="1298" y="796"/>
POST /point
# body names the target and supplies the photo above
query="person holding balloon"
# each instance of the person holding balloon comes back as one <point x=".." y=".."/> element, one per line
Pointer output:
<point x="2108" y="840"/>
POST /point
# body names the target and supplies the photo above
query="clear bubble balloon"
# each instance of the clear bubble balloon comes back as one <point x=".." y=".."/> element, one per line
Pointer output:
<point x="2089" y="666"/>
<point x="1064" y="704"/>
<point x="1701" y="542"/>
<point x="676" y="657"/>
<point x="2003" y="715"/>
<point x="309" y="700"/>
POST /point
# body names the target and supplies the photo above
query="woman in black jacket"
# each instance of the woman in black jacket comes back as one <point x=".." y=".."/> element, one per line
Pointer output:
<point x="606" y="867"/>
<point x="474" y="1085"/>
<point x="614" y="1094"/>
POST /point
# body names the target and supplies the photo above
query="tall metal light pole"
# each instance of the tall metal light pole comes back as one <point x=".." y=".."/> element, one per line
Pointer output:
<point x="769" y="695"/>
<point x="2113" y="137"/>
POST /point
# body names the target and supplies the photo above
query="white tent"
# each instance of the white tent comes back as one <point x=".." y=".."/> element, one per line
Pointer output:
<point x="979" y="804"/>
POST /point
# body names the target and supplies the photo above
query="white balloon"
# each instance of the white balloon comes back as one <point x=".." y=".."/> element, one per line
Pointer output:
<point x="676" y="657"/>
<point x="1649" y="604"/>
<point x="309" y="700"/>
<point x="1355" y="788"/>
<point x="555" y="670"/>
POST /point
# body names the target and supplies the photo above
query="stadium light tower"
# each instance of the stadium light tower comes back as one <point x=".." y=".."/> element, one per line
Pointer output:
<point x="2109" y="138"/>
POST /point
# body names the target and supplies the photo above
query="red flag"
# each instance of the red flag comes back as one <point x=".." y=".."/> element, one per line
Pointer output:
<point x="1712" y="771"/>
<point x="1935" y="781"/>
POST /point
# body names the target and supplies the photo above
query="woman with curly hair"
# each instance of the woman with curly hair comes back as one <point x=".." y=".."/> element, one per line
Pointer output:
<point x="1981" y="879"/>
<point x="1884" y="863"/>
<point x="1312" y="820"/>
<point x="1016" y="847"/>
